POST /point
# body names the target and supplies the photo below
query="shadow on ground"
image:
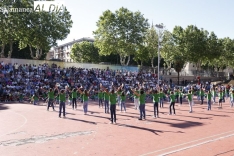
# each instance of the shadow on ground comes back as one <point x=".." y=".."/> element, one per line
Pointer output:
<point x="3" y="107"/>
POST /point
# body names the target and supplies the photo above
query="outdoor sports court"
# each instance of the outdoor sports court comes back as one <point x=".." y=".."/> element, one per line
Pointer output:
<point x="29" y="130"/>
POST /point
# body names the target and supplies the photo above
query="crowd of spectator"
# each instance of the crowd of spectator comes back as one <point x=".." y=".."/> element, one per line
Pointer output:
<point x="20" y="82"/>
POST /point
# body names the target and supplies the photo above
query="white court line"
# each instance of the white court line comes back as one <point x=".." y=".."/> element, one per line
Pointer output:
<point x="25" y="121"/>
<point x="202" y="143"/>
<point x="186" y="143"/>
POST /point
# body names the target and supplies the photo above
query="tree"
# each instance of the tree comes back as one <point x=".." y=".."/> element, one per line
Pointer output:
<point x="120" y="33"/>
<point x="38" y="30"/>
<point x="151" y="42"/>
<point x="196" y="45"/>
<point x="169" y="48"/>
<point x="141" y="54"/>
<point x="172" y="49"/>
<point x="84" y="52"/>
<point x="178" y="64"/>
<point x="9" y="25"/>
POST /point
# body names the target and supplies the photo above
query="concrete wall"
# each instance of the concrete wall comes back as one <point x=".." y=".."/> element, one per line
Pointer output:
<point x="68" y="64"/>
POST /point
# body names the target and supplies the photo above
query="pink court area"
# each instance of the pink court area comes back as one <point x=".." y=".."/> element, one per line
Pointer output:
<point x="28" y="130"/>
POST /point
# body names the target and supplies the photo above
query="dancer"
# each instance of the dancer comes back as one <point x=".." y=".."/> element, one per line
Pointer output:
<point x="209" y="95"/>
<point x="136" y="99"/>
<point x="50" y="98"/>
<point x="106" y="99"/>
<point x="161" y="96"/>
<point x="181" y="97"/>
<point x="113" y="97"/>
<point x="190" y="100"/>
<point x="119" y="97"/>
<point x="100" y="98"/>
<point x="192" y="93"/>
<point x="123" y="100"/>
<point x="172" y="103"/>
<point x="85" y="97"/>
<point x="177" y="95"/>
<point x="62" y="99"/>
<point x="142" y="97"/>
<point x="213" y="93"/>
<point x="74" y="95"/>
<point x="220" y="98"/>
<point x="202" y="95"/>
<point x="156" y="98"/>
<point x="232" y="98"/>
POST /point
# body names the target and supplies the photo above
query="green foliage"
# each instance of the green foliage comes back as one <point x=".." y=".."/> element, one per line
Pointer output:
<point x="120" y="33"/>
<point x="141" y="54"/>
<point x="84" y="52"/>
<point x="151" y="44"/>
<point x="38" y="30"/>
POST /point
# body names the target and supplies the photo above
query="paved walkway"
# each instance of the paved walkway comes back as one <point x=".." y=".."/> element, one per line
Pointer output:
<point x="29" y="130"/>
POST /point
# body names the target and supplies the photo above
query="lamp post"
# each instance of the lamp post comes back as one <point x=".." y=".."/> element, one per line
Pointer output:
<point x="159" y="26"/>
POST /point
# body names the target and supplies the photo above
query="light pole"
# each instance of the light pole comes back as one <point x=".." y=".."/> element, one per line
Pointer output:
<point x="159" y="26"/>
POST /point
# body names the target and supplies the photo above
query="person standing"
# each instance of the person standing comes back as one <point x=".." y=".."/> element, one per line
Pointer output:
<point x="232" y="98"/>
<point x="85" y="98"/>
<point x="190" y="101"/>
<point x="220" y="98"/>
<point x="113" y="101"/>
<point x="155" y="102"/>
<point x="213" y="93"/>
<point x="202" y="95"/>
<point x="113" y="96"/>
<point x="74" y="94"/>
<point x="172" y="103"/>
<point x="142" y="97"/>
<point x="62" y="100"/>
<point x="106" y="99"/>
<point x="119" y="97"/>
<point x="51" y="98"/>
<point x="123" y="100"/>
<point x="136" y="99"/>
<point x="209" y="95"/>
<point x="177" y="95"/>
<point x="100" y="98"/>
<point x="181" y="97"/>
<point x="161" y="96"/>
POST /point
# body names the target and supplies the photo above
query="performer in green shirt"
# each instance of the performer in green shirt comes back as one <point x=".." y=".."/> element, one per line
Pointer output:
<point x="35" y="99"/>
<point x="113" y="101"/>
<point x="161" y="97"/>
<point x="190" y="100"/>
<point x="202" y="95"/>
<point x="74" y="95"/>
<point x="208" y="96"/>
<point x="100" y="98"/>
<point x="232" y="98"/>
<point x="85" y="98"/>
<point x="156" y="98"/>
<point x="181" y="97"/>
<point x="123" y="99"/>
<point x="62" y="99"/>
<point x="177" y="95"/>
<point x="172" y="103"/>
<point x="220" y="98"/>
<point x="136" y="99"/>
<point x="142" y="97"/>
<point x="50" y="96"/>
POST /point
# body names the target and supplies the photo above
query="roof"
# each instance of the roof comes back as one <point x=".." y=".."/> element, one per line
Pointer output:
<point x="75" y="41"/>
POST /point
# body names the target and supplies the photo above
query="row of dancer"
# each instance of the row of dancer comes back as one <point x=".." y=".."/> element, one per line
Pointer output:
<point x="112" y="97"/>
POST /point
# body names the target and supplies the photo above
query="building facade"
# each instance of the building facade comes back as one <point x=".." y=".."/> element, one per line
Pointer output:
<point x="63" y="52"/>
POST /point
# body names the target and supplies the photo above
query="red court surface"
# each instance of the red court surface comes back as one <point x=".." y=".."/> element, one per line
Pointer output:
<point x="28" y="130"/>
